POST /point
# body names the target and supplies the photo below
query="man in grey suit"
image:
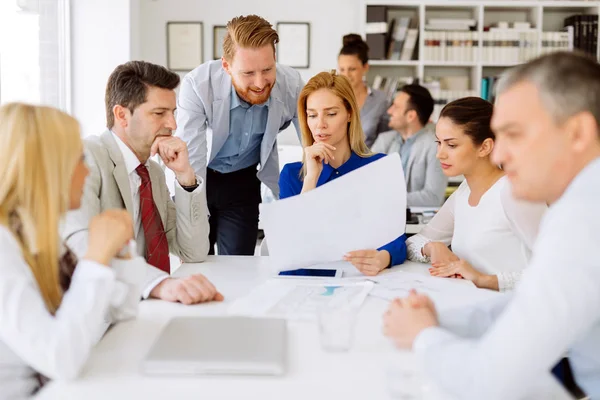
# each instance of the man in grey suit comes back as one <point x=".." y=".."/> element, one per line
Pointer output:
<point x="140" y="106"/>
<point x="414" y="138"/>
<point x="229" y="113"/>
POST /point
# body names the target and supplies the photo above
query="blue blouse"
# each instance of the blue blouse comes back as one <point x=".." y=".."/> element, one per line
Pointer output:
<point x="290" y="185"/>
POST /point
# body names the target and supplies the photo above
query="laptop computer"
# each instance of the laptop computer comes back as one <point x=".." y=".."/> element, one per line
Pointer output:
<point x="219" y="345"/>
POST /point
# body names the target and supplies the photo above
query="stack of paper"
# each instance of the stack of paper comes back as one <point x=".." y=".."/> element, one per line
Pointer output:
<point x="298" y="299"/>
<point x="446" y="293"/>
<point x="364" y="209"/>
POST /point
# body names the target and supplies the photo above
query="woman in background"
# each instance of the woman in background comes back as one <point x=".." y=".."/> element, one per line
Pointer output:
<point x="353" y="63"/>
<point x="490" y="232"/>
<point x="334" y="145"/>
<point x="53" y="309"/>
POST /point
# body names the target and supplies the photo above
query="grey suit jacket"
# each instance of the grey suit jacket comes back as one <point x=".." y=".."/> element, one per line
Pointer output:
<point x="107" y="187"/>
<point x="203" y="116"/>
<point x="425" y="180"/>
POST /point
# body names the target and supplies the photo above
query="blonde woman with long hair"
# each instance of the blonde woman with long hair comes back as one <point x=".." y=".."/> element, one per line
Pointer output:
<point x="334" y="145"/>
<point x="53" y="309"/>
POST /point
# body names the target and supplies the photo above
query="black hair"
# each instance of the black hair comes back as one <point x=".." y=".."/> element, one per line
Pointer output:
<point x="354" y="45"/>
<point x="419" y="100"/>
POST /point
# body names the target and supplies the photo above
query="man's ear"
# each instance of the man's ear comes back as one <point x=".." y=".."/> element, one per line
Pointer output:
<point x="226" y="65"/>
<point x="411" y="115"/>
<point x="582" y="131"/>
<point x="121" y="115"/>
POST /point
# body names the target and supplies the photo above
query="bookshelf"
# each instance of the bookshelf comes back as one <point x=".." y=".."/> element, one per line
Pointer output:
<point x="457" y="62"/>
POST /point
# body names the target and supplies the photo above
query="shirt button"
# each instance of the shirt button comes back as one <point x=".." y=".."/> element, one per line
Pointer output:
<point x="246" y="133"/>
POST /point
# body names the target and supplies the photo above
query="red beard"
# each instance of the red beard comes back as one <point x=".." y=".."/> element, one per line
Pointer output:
<point x="252" y="98"/>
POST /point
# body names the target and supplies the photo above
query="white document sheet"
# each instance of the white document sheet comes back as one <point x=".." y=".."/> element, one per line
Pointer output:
<point x="446" y="293"/>
<point x="299" y="299"/>
<point x="364" y="209"/>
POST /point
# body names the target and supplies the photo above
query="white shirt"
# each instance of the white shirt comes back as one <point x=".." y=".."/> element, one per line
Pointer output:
<point x="495" y="237"/>
<point x="31" y="339"/>
<point x="131" y="163"/>
<point x="555" y="308"/>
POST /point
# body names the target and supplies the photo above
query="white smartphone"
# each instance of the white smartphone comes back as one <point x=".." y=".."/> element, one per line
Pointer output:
<point x="311" y="273"/>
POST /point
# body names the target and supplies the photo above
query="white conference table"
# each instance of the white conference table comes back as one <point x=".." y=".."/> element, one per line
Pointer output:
<point x="112" y="372"/>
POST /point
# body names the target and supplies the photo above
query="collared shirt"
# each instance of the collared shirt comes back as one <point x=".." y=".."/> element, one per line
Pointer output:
<point x="290" y="184"/>
<point x="405" y="146"/>
<point x="131" y="163"/>
<point x="373" y="115"/>
<point x="495" y="351"/>
<point x="247" y="124"/>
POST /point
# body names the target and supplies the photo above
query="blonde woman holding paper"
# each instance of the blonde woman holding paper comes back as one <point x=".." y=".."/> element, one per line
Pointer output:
<point x="334" y="145"/>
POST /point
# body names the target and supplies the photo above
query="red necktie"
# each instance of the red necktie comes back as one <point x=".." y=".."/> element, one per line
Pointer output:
<point x="157" y="246"/>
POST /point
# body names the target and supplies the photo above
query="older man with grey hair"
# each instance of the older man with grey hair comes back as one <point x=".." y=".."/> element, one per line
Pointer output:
<point x="546" y="121"/>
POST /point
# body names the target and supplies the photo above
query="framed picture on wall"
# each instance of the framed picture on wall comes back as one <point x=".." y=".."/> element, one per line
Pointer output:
<point x="184" y="45"/>
<point x="294" y="44"/>
<point x="219" y="32"/>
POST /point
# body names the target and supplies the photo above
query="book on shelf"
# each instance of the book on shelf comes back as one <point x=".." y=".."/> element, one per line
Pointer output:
<point x="443" y="94"/>
<point x="376" y="27"/>
<point x="488" y="88"/>
<point x="410" y="44"/>
<point x="377" y="38"/>
<point x="390" y="85"/>
<point x="404" y="40"/>
<point x="462" y="21"/>
<point x="453" y="46"/>
<point x="585" y="32"/>
<point x="557" y="41"/>
<point x="400" y="30"/>
<point x="429" y="27"/>
<point x="508" y="46"/>
<point x="441" y="24"/>
<point x="390" y="38"/>
<point x="451" y="40"/>
<point x="521" y="25"/>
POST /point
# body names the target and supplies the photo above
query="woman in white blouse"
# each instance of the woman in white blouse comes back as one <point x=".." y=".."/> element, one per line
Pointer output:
<point x="53" y="309"/>
<point x="490" y="233"/>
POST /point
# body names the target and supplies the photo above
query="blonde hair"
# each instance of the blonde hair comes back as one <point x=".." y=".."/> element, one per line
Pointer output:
<point x="251" y="32"/>
<point x="39" y="150"/>
<point x="340" y="86"/>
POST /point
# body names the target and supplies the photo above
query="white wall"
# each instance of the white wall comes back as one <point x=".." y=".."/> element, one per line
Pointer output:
<point x="107" y="33"/>
<point x="135" y="40"/>
<point x="329" y="21"/>
<point x="101" y="39"/>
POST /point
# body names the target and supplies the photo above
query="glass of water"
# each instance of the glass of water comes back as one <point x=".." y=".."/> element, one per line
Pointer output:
<point x="336" y="326"/>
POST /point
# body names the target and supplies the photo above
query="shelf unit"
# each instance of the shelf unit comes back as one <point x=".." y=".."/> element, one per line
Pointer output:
<point x="544" y="16"/>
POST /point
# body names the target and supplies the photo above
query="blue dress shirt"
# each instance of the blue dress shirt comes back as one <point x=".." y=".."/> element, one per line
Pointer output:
<point x="247" y="124"/>
<point x="290" y="185"/>
<point x="405" y="148"/>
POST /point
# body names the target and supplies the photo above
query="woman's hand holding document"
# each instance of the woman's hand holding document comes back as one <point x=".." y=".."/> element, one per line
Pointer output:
<point x="363" y="209"/>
